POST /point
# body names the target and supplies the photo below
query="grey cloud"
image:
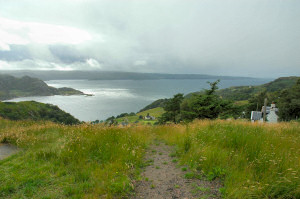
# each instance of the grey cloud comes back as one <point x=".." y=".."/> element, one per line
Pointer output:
<point x="67" y="54"/>
<point x="36" y="64"/>
<point x="16" y="53"/>
<point x="251" y="37"/>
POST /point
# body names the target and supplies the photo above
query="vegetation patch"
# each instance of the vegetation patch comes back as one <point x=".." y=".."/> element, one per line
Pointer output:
<point x="32" y="110"/>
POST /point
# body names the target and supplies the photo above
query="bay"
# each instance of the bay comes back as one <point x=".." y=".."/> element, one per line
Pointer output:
<point x="112" y="97"/>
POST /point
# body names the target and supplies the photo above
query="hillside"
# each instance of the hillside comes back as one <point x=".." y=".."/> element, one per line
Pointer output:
<point x="155" y="104"/>
<point x="35" y="111"/>
<point x="12" y="87"/>
<point x="240" y="93"/>
<point x="155" y="112"/>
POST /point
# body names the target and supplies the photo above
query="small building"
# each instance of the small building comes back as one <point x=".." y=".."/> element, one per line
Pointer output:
<point x="149" y="117"/>
<point x="256" y="116"/>
<point x="271" y="114"/>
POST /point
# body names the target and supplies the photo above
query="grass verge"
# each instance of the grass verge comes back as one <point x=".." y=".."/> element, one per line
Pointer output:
<point x="84" y="161"/>
<point x="252" y="160"/>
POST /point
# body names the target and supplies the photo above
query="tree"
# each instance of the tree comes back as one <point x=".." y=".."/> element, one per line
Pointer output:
<point x="207" y="105"/>
<point x="172" y="109"/>
<point x="213" y="87"/>
<point x="201" y="106"/>
<point x="111" y="121"/>
<point x="289" y="103"/>
<point x="256" y="102"/>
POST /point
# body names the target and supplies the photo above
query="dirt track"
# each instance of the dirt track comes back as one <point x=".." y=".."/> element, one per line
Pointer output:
<point x="163" y="178"/>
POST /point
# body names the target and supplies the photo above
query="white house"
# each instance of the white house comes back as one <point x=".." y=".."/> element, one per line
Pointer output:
<point x="271" y="116"/>
<point x="149" y="117"/>
<point x="271" y="112"/>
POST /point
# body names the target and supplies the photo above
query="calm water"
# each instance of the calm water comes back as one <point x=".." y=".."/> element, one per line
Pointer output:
<point x="118" y="96"/>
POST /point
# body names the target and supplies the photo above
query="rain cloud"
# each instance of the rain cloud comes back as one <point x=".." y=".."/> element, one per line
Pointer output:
<point x="233" y="37"/>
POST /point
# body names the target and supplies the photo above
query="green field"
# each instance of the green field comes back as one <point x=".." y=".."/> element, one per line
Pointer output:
<point x="156" y="112"/>
<point x="96" y="161"/>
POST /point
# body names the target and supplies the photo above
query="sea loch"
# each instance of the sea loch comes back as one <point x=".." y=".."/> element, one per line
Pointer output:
<point x="112" y="97"/>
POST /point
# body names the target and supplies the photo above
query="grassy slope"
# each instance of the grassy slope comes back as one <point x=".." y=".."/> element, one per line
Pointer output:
<point x="89" y="161"/>
<point x="156" y="112"/>
<point x="156" y="103"/>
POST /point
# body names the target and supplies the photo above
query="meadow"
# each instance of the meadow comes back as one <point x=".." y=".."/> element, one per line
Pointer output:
<point x="156" y="112"/>
<point x="89" y="161"/>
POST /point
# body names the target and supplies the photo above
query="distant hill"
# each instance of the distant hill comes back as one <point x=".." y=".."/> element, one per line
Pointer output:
<point x="155" y="104"/>
<point x="12" y="87"/>
<point x="35" y="111"/>
<point x="112" y="75"/>
<point x="239" y="93"/>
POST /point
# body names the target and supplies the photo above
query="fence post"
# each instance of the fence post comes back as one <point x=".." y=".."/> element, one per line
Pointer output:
<point x="265" y="109"/>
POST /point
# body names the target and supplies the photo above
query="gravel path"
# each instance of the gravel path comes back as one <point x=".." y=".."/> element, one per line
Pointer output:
<point x="163" y="178"/>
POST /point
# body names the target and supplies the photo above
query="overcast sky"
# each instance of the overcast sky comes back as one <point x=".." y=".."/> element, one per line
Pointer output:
<point x="258" y="38"/>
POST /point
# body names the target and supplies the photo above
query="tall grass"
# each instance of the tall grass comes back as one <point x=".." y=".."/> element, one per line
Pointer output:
<point x="94" y="161"/>
<point x="253" y="160"/>
<point x="71" y="161"/>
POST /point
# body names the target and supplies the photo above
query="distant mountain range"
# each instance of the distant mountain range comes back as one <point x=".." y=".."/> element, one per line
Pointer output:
<point x="12" y="87"/>
<point x="111" y="75"/>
